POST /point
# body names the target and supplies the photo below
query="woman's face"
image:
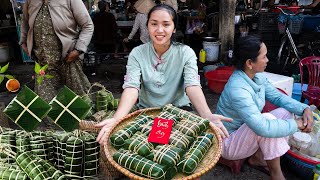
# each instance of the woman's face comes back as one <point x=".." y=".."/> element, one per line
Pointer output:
<point x="161" y="27"/>
<point x="262" y="60"/>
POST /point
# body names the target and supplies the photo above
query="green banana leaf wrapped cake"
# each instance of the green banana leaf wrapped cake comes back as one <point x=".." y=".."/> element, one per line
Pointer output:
<point x="118" y="139"/>
<point x="195" y="154"/>
<point x="192" y="128"/>
<point x="143" y="166"/>
<point x="68" y="109"/>
<point x="181" y="113"/>
<point x="27" y="109"/>
<point x="167" y="115"/>
<point x="139" y="143"/>
<point x="166" y="155"/>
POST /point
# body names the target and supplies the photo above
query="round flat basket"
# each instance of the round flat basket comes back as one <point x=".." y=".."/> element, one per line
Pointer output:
<point x="208" y="162"/>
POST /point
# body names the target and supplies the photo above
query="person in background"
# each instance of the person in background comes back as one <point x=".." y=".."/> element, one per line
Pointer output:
<point x="172" y="3"/>
<point x="260" y="136"/>
<point x="57" y="33"/>
<point x="161" y="72"/>
<point x="105" y="31"/>
<point x="140" y="22"/>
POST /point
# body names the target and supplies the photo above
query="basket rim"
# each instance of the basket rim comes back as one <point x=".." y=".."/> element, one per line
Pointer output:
<point x="301" y="158"/>
<point x="134" y="176"/>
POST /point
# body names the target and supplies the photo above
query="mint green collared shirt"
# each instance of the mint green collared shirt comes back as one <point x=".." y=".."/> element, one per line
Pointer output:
<point x="163" y="80"/>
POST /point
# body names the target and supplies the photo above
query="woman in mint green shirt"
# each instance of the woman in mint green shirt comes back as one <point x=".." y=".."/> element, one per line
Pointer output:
<point x="161" y="72"/>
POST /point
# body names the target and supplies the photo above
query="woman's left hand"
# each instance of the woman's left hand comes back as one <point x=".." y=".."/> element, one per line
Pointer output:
<point x="308" y="121"/>
<point x="73" y="55"/>
<point x="216" y="120"/>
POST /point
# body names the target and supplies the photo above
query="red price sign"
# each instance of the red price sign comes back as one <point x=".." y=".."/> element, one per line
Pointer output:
<point x="161" y="130"/>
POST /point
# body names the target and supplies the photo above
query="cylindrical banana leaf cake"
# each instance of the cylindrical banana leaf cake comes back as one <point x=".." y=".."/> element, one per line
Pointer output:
<point x="193" y="147"/>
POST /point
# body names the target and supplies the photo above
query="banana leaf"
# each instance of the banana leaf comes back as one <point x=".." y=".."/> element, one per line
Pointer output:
<point x="166" y="155"/>
<point x="12" y="174"/>
<point x="118" y="139"/>
<point x="167" y="115"/>
<point x="192" y="128"/>
<point x="38" y="146"/>
<point x="181" y="113"/>
<point x="195" y="154"/>
<point x="91" y="155"/>
<point x="31" y="167"/>
<point x="54" y="173"/>
<point x="22" y="141"/>
<point x="74" y="156"/>
<point x="177" y="138"/>
<point x="139" y="143"/>
<point x="68" y="109"/>
<point x="143" y="166"/>
<point x="27" y="109"/>
<point x="103" y="98"/>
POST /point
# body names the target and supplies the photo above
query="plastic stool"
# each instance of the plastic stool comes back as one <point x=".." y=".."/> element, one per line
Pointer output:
<point x="235" y="165"/>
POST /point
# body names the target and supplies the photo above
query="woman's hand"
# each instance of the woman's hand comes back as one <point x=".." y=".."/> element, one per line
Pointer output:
<point x="25" y="48"/>
<point x="308" y="121"/>
<point x="73" y="55"/>
<point x="216" y="120"/>
<point x="126" y="40"/>
<point x="299" y="122"/>
<point x="105" y="127"/>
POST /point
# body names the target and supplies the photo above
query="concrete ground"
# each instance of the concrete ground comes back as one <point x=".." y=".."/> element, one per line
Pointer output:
<point x="112" y="80"/>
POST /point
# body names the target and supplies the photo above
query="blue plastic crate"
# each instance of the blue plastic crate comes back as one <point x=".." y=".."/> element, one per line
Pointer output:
<point x="296" y="91"/>
<point x="311" y="23"/>
<point x="300" y="168"/>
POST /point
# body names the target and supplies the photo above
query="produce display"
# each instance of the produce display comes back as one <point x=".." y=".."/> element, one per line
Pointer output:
<point x="189" y="142"/>
<point x="48" y="155"/>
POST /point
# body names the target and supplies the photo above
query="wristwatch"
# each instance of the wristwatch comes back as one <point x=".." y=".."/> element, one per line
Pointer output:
<point x="79" y="51"/>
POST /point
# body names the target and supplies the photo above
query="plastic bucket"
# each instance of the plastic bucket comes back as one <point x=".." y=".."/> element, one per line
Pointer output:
<point x="4" y="53"/>
<point x="217" y="79"/>
<point x="212" y="50"/>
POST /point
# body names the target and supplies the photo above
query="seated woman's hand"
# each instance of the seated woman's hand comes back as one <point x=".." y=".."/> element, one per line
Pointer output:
<point x="308" y="120"/>
<point x="105" y="126"/>
<point x="216" y="120"/>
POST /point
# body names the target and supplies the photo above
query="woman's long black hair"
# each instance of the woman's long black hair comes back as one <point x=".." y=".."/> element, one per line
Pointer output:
<point x="247" y="47"/>
<point x="172" y="13"/>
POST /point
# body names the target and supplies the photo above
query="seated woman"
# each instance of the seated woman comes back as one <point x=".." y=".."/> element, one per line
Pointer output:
<point x="262" y="137"/>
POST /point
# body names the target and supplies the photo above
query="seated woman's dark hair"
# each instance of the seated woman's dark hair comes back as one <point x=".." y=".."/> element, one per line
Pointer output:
<point x="247" y="47"/>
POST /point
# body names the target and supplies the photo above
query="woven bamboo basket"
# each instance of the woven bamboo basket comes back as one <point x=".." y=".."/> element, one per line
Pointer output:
<point x="106" y="169"/>
<point x="208" y="162"/>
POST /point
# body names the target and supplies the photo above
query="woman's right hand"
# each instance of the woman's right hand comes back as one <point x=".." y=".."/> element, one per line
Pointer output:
<point x="25" y="48"/>
<point x="300" y="123"/>
<point x="105" y="126"/>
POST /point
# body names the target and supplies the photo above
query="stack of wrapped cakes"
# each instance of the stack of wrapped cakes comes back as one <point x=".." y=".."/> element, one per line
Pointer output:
<point x="188" y="144"/>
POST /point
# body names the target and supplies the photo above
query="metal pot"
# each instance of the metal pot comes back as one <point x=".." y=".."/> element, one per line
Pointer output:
<point x="209" y="39"/>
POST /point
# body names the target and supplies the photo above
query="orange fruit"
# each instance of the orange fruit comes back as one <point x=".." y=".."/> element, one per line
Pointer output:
<point x="13" y="85"/>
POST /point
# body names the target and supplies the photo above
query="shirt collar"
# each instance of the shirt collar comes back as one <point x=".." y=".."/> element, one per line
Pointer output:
<point x="255" y="83"/>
